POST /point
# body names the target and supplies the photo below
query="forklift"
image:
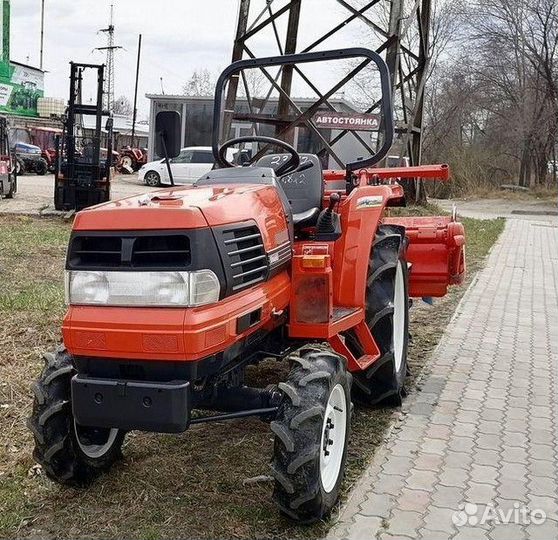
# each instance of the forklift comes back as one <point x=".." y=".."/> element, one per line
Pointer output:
<point x="83" y="168"/>
<point x="8" y="173"/>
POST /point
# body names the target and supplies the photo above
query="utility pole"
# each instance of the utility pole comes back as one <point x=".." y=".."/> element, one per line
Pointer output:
<point x="42" y="33"/>
<point x="136" y="93"/>
<point x="110" y="48"/>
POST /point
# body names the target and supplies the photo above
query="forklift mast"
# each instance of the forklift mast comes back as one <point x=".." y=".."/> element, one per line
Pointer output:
<point x="82" y="174"/>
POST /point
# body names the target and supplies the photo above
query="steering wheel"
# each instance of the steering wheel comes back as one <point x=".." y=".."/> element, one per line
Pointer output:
<point x="289" y="166"/>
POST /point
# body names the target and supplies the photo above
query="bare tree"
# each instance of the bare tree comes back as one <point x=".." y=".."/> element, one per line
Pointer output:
<point x="515" y="44"/>
<point x="491" y="105"/>
<point x="253" y="83"/>
<point x="201" y="83"/>
<point x="123" y="106"/>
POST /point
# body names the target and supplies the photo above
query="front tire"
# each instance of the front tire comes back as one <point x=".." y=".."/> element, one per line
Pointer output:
<point x="311" y="433"/>
<point x="152" y="179"/>
<point x="387" y="316"/>
<point x="70" y="454"/>
<point x="41" y="167"/>
<point x="13" y="189"/>
<point x="127" y="162"/>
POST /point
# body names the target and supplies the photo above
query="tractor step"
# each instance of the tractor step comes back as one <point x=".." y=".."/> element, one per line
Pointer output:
<point x="342" y="312"/>
<point x="365" y="361"/>
<point x="342" y="319"/>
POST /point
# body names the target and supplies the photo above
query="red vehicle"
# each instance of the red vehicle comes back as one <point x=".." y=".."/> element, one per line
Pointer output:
<point x="131" y="159"/>
<point x="173" y="294"/>
<point x="45" y="139"/>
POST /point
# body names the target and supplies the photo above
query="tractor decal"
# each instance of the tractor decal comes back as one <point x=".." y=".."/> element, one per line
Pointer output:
<point x="370" y="202"/>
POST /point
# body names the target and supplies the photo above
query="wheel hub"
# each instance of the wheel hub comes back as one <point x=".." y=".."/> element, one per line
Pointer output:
<point x="334" y="433"/>
<point x="327" y="440"/>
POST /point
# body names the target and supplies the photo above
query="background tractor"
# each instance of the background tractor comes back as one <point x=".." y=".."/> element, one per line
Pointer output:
<point x="131" y="159"/>
<point x="173" y="294"/>
<point x="29" y="159"/>
<point x="37" y="147"/>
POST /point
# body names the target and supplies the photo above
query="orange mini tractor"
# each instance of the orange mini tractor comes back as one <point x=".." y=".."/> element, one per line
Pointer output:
<point x="171" y="295"/>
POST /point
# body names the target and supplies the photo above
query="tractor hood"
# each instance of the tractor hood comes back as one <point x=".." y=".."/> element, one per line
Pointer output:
<point x="191" y="207"/>
<point x="24" y="148"/>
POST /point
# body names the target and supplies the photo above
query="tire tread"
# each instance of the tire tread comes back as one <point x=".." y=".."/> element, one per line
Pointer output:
<point x="298" y="430"/>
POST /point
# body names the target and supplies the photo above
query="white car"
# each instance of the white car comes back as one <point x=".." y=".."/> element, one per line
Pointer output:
<point x="192" y="163"/>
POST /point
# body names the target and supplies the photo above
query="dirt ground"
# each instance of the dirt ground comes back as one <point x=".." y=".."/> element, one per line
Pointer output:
<point x="190" y="485"/>
<point x="513" y="206"/>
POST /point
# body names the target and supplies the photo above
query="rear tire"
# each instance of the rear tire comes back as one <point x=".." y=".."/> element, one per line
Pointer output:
<point x="311" y="433"/>
<point x="152" y="179"/>
<point x="387" y="316"/>
<point x="70" y="454"/>
<point x="19" y="167"/>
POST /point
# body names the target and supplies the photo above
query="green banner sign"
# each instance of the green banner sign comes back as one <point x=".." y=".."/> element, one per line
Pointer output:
<point x="20" y="86"/>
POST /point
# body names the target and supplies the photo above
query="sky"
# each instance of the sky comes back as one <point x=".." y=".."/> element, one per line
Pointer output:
<point x="179" y="37"/>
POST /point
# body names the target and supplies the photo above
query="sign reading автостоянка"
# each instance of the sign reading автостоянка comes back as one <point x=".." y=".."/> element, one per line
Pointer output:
<point x="351" y="121"/>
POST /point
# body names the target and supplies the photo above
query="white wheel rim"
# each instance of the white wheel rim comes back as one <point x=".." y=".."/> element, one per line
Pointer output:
<point x="399" y="316"/>
<point x="334" y="432"/>
<point x="96" y="451"/>
<point x="127" y="161"/>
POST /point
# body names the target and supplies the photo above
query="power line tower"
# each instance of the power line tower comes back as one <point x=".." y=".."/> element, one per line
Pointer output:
<point x="396" y="29"/>
<point x="110" y="50"/>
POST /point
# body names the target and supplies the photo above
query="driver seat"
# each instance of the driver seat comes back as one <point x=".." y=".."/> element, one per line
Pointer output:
<point x="304" y="189"/>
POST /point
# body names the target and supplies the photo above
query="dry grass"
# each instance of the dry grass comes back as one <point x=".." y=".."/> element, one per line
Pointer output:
<point x="167" y="486"/>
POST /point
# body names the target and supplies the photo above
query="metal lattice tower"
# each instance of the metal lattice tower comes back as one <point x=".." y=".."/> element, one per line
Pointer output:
<point x="108" y="101"/>
<point x="397" y="29"/>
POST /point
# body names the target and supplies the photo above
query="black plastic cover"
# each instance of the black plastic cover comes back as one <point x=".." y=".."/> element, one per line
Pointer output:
<point x="162" y="407"/>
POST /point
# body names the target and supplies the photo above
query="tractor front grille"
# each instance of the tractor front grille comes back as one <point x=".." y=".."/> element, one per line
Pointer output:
<point x="235" y="252"/>
<point x="161" y="251"/>
<point x="138" y="252"/>
<point x="246" y="255"/>
<point x="96" y="251"/>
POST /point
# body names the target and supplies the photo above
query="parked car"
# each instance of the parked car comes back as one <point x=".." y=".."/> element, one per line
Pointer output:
<point x="187" y="167"/>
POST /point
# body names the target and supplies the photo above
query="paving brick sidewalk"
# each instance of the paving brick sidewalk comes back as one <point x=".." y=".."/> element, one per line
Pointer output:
<point x="484" y="428"/>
